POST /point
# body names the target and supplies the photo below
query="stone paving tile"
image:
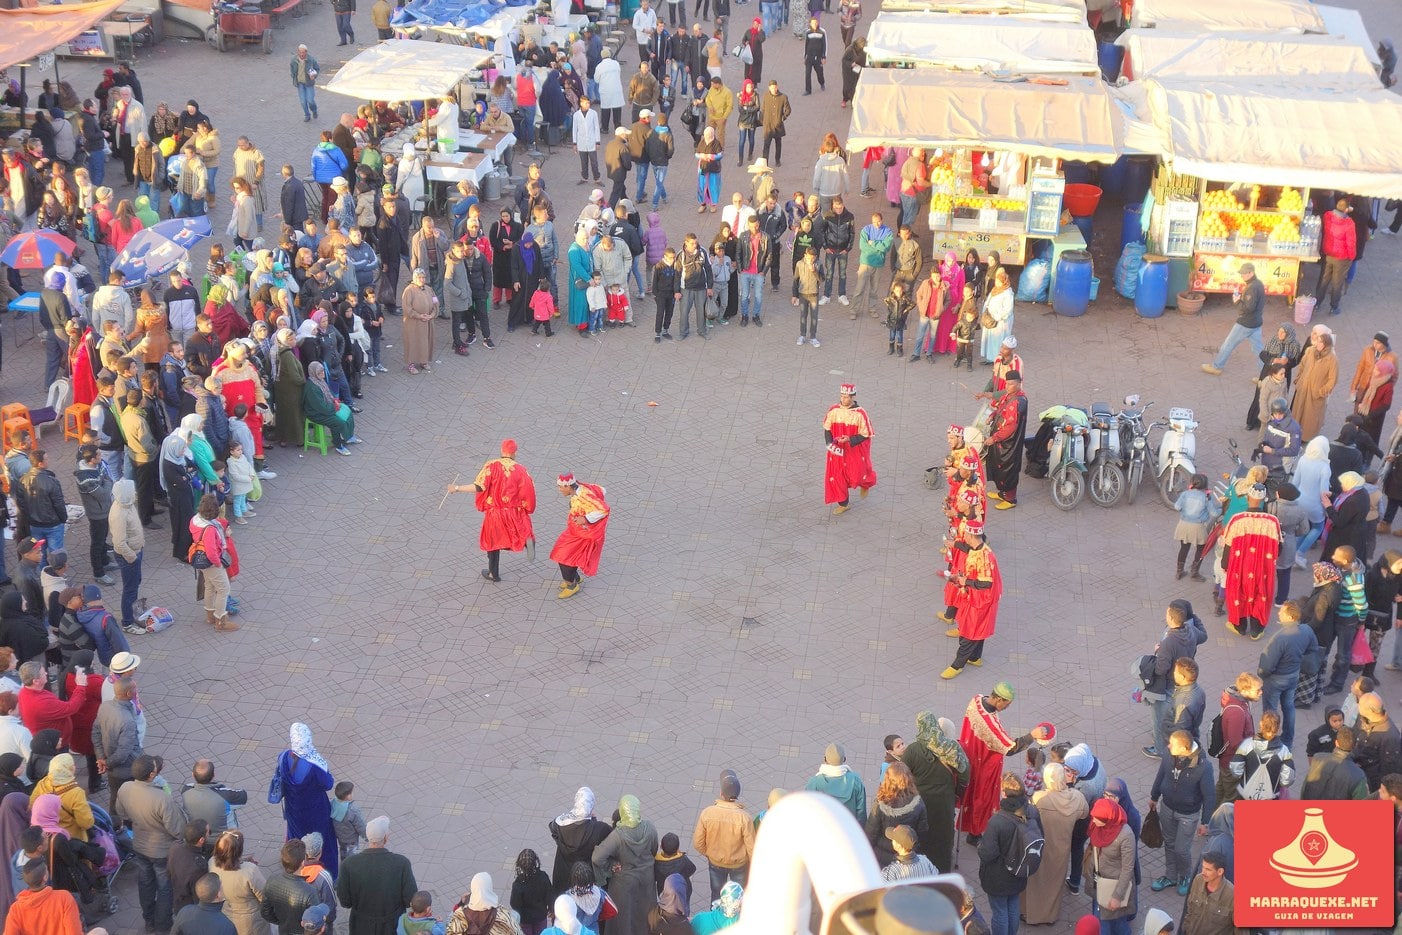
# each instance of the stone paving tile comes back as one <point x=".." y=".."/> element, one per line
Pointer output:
<point x="735" y="622"/>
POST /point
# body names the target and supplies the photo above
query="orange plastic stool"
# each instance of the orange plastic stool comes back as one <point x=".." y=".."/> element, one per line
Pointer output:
<point x="75" y="421"/>
<point x="13" y="411"/>
<point x="11" y="428"/>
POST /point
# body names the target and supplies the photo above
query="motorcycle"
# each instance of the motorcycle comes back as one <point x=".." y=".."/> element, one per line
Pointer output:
<point x="1176" y="451"/>
<point x="1107" y="479"/>
<point x="1134" y="444"/>
<point x="1068" y="460"/>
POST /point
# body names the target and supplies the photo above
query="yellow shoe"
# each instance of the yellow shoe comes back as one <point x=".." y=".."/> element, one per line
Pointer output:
<point x="569" y="590"/>
<point x="840" y="509"/>
<point x="952" y="631"/>
<point x="950" y="673"/>
<point x="975" y="662"/>
<point x="865" y="491"/>
<point x="1004" y="504"/>
<point x="945" y="617"/>
<point x="994" y="495"/>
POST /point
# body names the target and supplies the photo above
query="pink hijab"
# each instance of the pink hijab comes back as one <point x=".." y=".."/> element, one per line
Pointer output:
<point x="45" y="814"/>
<point x="953" y="275"/>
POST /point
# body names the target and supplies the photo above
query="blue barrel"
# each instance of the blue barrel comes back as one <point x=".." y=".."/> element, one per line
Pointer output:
<point x="1086" y="225"/>
<point x="1072" y="292"/>
<point x="1131" y="230"/>
<point x="1151" y="298"/>
<point x="1077" y="172"/>
<point x="1113" y="177"/>
<point x="1139" y="174"/>
<point x="1110" y="56"/>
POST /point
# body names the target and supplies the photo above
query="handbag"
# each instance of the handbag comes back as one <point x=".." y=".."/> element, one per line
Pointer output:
<point x="609" y="909"/>
<point x="1151" y="833"/>
<point x="1105" y="886"/>
<point x="987" y="321"/>
<point x="275" y="785"/>
<point x="1362" y="653"/>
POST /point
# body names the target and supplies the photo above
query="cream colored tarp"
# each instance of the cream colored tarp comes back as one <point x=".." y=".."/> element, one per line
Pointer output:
<point x="1233" y="16"/>
<point x="1139" y="134"/>
<point x="976" y="42"/>
<point x="31" y="31"/>
<point x="406" y="70"/>
<point x="1266" y="134"/>
<point x="1060" y="11"/>
<point x="1341" y="21"/>
<point x="1320" y="61"/>
<point x="935" y="107"/>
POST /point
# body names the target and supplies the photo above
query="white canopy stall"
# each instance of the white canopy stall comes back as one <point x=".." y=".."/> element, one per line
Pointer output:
<point x="1005" y="44"/>
<point x="1327" y="60"/>
<point x="1047" y="11"/>
<point x="406" y="70"/>
<point x="1348" y="24"/>
<point x="1237" y="16"/>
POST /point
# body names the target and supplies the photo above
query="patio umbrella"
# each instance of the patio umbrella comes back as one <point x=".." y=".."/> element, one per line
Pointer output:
<point x="35" y="249"/>
<point x="149" y="254"/>
<point x="183" y="232"/>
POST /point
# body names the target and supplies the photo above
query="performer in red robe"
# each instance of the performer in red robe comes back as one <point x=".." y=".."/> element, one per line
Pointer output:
<point x="580" y="545"/>
<point x="975" y="603"/>
<point x="506" y="500"/>
<point x="80" y="364"/>
<point x="1251" y="541"/>
<point x="959" y="451"/>
<point x="848" y="433"/>
<point x="239" y="382"/>
<point x="956" y="550"/>
<point x="985" y="743"/>
<point x="1006" y="441"/>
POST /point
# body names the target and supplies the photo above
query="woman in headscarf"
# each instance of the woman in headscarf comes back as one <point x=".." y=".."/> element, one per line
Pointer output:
<point x="14" y="821"/>
<point x="576" y="833"/>
<point x="527" y="267"/>
<point x="42" y="749"/>
<point x="177" y="480"/>
<point x="632" y="847"/>
<point x="710" y="156"/>
<point x="201" y="452"/>
<point x="480" y="913"/>
<point x="747" y="119"/>
<point x="288" y="380"/>
<point x="1312" y="478"/>
<point x="75" y="814"/>
<point x="572" y="86"/>
<point x="11" y="765"/>
<point x="82" y="360"/>
<point x="554" y="110"/>
<point x="896" y="803"/>
<point x="997" y="310"/>
<point x="80" y="742"/>
<point x="1377" y="398"/>
<point x="1118" y="792"/>
<point x="1347" y="516"/>
<point x="566" y="920"/>
<point x="420" y="307"/>
<point x="1060" y="807"/>
<point x="242" y="882"/>
<point x="724" y="912"/>
<point x="1319" y="613"/>
<point x="409" y="174"/>
<point x="240" y="382"/>
<point x="321" y="407"/>
<point x="1108" y="867"/>
<point x="305" y="779"/>
<point x="66" y="869"/>
<point x="1283" y="348"/>
<point x="1319" y="371"/>
<point x="938" y="765"/>
<point x="219" y="309"/>
<point x="952" y="276"/>
<point x="669" y="916"/>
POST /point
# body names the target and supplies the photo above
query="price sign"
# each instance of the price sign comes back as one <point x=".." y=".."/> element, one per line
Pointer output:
<point x="1009" y="246"/>
<point x="1221" y="272"/>
<point x="44" y="61"/>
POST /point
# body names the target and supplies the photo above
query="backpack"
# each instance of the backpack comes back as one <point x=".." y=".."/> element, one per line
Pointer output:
<point x="92" y="230"/>
<point x="1216" y="742"/>
<point x="1026" y="854"/>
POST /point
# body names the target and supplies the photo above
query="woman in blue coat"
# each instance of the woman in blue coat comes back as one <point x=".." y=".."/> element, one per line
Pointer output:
<point x="305" y="781"/>
<point x="581" y="268"/>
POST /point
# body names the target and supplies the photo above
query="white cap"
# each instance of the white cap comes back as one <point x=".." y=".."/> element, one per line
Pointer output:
<point x="620" y="131"/>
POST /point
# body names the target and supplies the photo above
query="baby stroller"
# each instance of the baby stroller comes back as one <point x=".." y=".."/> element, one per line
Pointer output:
<point x="117" y="845"/>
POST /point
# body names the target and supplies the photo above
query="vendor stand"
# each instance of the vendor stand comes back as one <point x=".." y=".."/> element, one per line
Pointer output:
<point x="1298" y="16"/>
<point x="1064" y="11"/>
<point x="977" y="42"/>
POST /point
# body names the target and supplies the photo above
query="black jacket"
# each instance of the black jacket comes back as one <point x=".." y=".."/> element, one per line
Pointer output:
<point x="294" y="202"/>
<point x="815" y="48"/>
<point x="285" y="898"/>
<point x="185" y="864"/>
<point x="838" y="230"/>
<point x="1378" y="751"/>
<point x="43" y="498"/>
<point x="1334" y="775"/>
<point x="203" y="920"/>
<point x="1015" y="818"/>
<point x="658" y="149"/>
<point x="664" y="281"/>
<point x="1186" y="784"/>
<point x="694" y="272"/>
<point x="745" y="250"/>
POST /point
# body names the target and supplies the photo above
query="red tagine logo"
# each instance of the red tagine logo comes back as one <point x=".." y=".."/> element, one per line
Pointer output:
<point x="1314" y="864"/>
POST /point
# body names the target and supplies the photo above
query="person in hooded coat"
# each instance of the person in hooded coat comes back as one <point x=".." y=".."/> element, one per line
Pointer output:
<point x="896" y="803"/>
<point x="479" y="912"/>
<point x="527" y="268"/>
<point x="554" y="109"/>
<point x="1060" y="807"/>
<point x="940" y="768"/>
<point x="11" y="764"/>
<point x="631" y="846"/>
<point x="14" y="821"/>
<point x="1111" y="855"/>
<point x="576" y="833"/>
<point x="1221" y="838"/>
<point x="177" y="481"/>
<point x="288" y="380"/>
<point x="669" y="916"/>
<point x="41" y="751"/>
<point x="1117" y="790"/>
<point x="305" y="779"/>
<point x="724" y="912"/>
<point x="75" y="814"/>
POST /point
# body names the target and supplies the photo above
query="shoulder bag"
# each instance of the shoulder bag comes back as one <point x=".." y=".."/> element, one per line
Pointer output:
<point x="1105" y="886"/>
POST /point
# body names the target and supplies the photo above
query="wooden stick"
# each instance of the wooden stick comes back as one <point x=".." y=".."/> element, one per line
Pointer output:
<point x="449" y="490"/>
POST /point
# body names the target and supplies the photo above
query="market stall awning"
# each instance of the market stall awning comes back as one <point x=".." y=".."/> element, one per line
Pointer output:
<point x="406" y="70"/>
<point x="1268" y="134"/>
<point x="1321" y="61"/>
<point x="1237" y="16"/>
<point x="1341" y="21"/>
<point x="1070" y="119"/>
<point x="974" y="42"/>
<point x="31" y="31"/>
<point x="1061" y="11"/>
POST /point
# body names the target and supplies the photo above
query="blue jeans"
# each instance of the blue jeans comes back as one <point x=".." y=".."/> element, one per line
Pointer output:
<point x="152" y="192"/>
<point x="1004" y="914"/>
<point x="97" y="166"/>
<point x="528" y="125"/>
<point x="153" y="889"/>
<point x="659" y="177"/>
<point x="747" y="139"/>
<point x="637" y="275"/>
<point x="105" y="258"/>
<point x="1278" y="695"/>
<point x="1238" y="334"/>
<point x="925" y="331"/>
<point x="910" y="207"/>
<point x="751" y="287"/>
<point x="834" y="270"/>
<point x="642" y="172"/>
<point x="1118" y="926"/>
<point x="769" y="16"/>
<point x="52" y="536"/>
<point x="306" y="95"/>
<point x="131" y="583"/>
<point x="1311" y="537"/>
<point x="1158" y="710"/>
<point x="345" y="30"/>
<point x="723" y="875"/>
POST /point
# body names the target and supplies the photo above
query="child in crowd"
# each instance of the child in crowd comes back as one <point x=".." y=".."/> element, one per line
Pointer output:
<point x="373" y="314"/>
<point x="722" y="270"/>
<point x="618" y="308"/>
<point x="241" y="481"/>
<point x="418" y="918"/>
<point x="531" y="892"/>
<point x="898" y="308"/>
<point x="665" y="286"/>
<point x="672" y="859"/>
<point x="807" y="283"/>
<point x="964" y="329"/>
<point x="1197" y="509"/>
<point x="346" y="818"/>
<point x="542" y="308"/>
<point x="1032" y="777"/>
<point x="895" y="746"/>
<point x="596" y="296"/>
<point x="795" y="210"/>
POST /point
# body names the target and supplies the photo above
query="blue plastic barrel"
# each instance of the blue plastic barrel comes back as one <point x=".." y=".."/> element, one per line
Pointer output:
<point x="1110" y="56"/>
<point x="1139" y="174"/>
<point x="1072" y="292"/>
<point x="1151" y="298"/>
<point x="1113" y="177"/>
<point x="1131" y="230"/>
<point x="1086" y="225"/>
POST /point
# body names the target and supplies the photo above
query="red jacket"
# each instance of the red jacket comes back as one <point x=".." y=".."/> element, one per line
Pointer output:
<point x="1340" y="236"/>
<point x="1237" y="725"/>
<point x="40" y="709"/>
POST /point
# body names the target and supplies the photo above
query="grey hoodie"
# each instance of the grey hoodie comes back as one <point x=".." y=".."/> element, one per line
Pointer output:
<point x="128" y="538"/>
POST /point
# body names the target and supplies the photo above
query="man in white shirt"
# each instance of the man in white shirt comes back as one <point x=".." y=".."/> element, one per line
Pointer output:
<point x="585" y="134"/>
<point x="644" y="25"/>
<point x="737" y="214"/>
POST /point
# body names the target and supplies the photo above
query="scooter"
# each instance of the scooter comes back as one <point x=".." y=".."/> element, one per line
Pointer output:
<point x="1068" y="461"/>
<point x="1177" y="450"/>
<point x="1134" y="445"/>
<point x="1107" y="480"/>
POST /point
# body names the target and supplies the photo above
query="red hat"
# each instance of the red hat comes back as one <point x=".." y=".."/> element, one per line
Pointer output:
<point x="969" y="462"/>
<point x="758" y="21"/>
<point x="508" y="447"/>
<point x="969" y="495"/>
<point x="955" y="429"/>
<point x="974" y="525"/>
<point x="848" y="389"/>
<point x="566" y="480"/>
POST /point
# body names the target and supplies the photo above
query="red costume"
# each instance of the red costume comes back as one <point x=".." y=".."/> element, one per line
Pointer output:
<point x="976" y="608"/>
<point x="849" y="461"/>
<point x="986" y="743"/>
<point x="1253" y="539"/>
<point x="239" y="383"/>
<point x="582" y="542"/>
<point x="955" y="554"/>
<point x="80" y="364"/>
<point x="1001" y="368"/>
<point x="506" y="500"/>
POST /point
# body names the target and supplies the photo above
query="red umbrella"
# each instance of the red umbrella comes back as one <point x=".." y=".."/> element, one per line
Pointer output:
<point x="36" y="249"/>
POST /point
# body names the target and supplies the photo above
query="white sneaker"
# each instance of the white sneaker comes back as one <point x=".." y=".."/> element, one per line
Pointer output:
<point x="815" y="342"/>
<point x="382" y="368"/>
<point x="267" y="475"/>
<point x="825" y="300"/>
<point x="1300" y="562"/>
<point x="370" y="372"/>
<point x="843" y="300"/>
<point x="802" y="340"/>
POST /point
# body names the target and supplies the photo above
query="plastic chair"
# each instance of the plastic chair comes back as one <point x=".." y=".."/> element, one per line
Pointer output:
<point x="49" y="414"/>
<point x="75" y="421"/>
<point x="314" y="436"/>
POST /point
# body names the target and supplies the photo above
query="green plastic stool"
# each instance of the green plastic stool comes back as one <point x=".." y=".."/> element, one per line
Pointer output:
<point x="314" y="436"/>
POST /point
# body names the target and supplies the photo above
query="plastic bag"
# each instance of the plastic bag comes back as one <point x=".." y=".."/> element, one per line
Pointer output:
<point x="157" y="619"/>
<point x="1127" y="269"/>
<point x="1034" y="285"/>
